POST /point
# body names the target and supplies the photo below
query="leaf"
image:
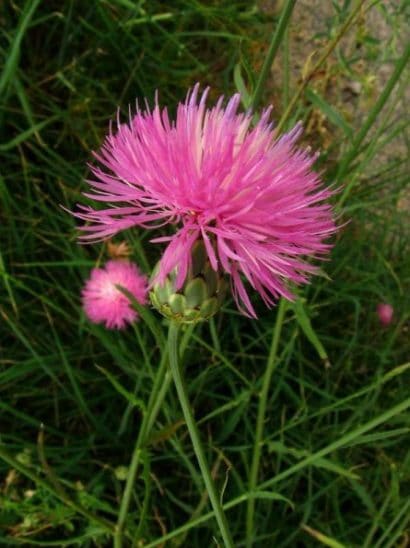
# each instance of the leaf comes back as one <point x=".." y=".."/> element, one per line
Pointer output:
<point x="129" y="396"/>
<point x="306" y="326"/>
<point x="165" y="433"/>
<point x="396" y="371"/>
<point x="270" y="495"/>
<point x="25" y="135"/>
<point x="320" y="462"/>
<point x="241" y="86"/>
<point x="331" y="114"/>
<point x="336" y="468"/>
<point x="327" y="541"/>
<point x="13" y="55"/>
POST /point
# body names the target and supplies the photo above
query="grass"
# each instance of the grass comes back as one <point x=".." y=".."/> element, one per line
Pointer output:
<point x="333" y="466"/>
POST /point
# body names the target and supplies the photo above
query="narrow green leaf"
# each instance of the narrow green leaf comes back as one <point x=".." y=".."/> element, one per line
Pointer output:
<point x="276" y="40"/>
<point x="25" y="135"/>
<point x="240" y="85"/>
<point x="129" y="396"/>
<point x="12" y="58"/>
<point x="4" y="275"/>
<point x="306" y="326"/>
<point x="270" y="495"/>
<point x="396" y="371"/>
<point x="324" y="539"/>
<point x="327" y="464"/>
<point x="331" y="114"/>
<point x="165" y="433"/>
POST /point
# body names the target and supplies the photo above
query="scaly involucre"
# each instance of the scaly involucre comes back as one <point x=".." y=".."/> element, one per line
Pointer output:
<point x="249" y="194"/>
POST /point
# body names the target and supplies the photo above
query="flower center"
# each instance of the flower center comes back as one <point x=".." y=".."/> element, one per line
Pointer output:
<point x="109" y="291"/>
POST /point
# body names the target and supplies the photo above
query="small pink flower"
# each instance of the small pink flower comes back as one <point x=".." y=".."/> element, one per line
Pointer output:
<point x="248" y="193"/>
<point x="104" y="303"/>
<point x="385" y="312"/>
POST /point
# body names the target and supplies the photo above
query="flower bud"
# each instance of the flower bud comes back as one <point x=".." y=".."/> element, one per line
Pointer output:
<point x="198" y="299"/>
<point x="385" y="313"/>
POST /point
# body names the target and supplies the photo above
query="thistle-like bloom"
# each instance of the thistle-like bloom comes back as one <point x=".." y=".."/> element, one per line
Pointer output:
<point x="248" y="193"/>
<point x="385" y="313"/>
<point x="104" y="303"/>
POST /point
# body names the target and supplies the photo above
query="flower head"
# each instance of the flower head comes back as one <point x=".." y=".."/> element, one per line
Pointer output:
<point x="104" y="303"/>
<point x="385" y="313"/>
<point x="247" y="193"/>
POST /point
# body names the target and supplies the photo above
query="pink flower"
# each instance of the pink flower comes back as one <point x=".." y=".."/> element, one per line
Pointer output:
<point x="104" y="303"/>
<point x="248" y="193"/>
<point x="385" y="313"/>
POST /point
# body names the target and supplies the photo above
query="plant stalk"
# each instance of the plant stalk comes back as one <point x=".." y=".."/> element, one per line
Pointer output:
<point x="345" y="441"/>
<point x="194" y="434"/>
<point x="263" y="398"/>
<point x="159" y="389"/>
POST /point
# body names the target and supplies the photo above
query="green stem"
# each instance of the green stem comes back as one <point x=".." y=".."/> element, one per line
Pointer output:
<point x="273" y="48"/>
<point x="342" y="442"/>
<point x="263" y="398"/>
<point x="286" y="69"/>
<point x="194" y="434"/>
<point x="159" y="389"/>
<point x="331" y="46"/>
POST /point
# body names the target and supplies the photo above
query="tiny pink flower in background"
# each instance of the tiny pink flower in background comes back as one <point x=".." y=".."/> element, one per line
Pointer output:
<point x="249" y="194"/>
<point x="385" y="313"/>
<point x="104" y="303"/>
